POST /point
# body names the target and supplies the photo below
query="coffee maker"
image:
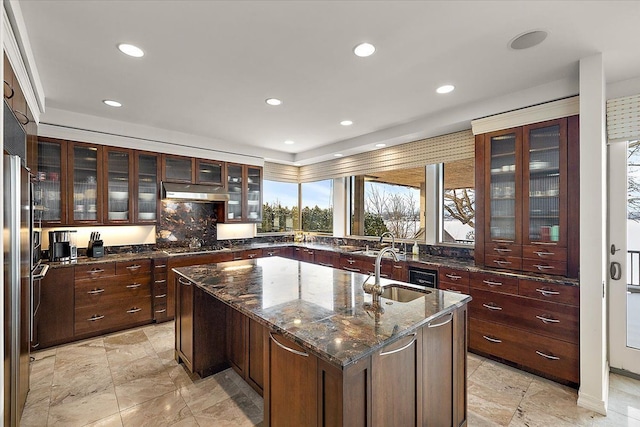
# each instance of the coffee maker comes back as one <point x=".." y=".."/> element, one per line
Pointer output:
<point x="63" y="245"/>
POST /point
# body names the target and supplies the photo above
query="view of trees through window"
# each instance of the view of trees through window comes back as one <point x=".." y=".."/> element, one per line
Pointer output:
<point x="279" y="207"/>
<point x="458" y="216"/>
<point x="317" y="206"/>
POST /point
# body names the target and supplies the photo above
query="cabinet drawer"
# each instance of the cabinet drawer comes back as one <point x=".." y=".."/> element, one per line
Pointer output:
<point x="459" y="289"/>
<point x="120" y="313"/>
<point x="511" y="263"/>
<point x="544" y="266"/>
<point x="494" y="282"/>
<point x="133" y="268"/>
<point x="92" y="293"/>
<point x="95" y="271"/>
<point x="549" y="319"/>
<point x="553" y="292"/>
<point x="350" y="263"/>
<point x="544" y="252"/>
<point x="546" y="355"/>
<point x="453" y="276"/>
<point x="503" y="250"/>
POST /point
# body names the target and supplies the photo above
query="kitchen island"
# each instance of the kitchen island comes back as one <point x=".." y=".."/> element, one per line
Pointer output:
<point x="307" y="338"/>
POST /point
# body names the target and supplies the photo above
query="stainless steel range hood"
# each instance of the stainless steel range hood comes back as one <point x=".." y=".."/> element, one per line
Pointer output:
<point x="193" y="192"/>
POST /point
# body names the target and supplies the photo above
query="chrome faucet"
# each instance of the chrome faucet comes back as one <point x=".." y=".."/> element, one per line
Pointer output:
<point x="393" y="239"/>
<point x="375" y="289"/>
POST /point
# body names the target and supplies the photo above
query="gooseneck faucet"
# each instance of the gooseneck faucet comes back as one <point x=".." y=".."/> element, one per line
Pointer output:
<point x="393" y="239"/>
<point x="375" y="289"/>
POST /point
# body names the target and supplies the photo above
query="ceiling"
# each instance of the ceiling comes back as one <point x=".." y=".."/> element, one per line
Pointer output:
<point x="210" y="65"/>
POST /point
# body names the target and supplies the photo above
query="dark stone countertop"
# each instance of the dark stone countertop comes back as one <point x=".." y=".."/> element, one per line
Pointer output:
<point x="320" y="308"/>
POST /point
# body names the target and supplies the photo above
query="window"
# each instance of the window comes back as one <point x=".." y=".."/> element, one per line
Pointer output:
<point x="388" y="201"/>
<point x="317" y="206"/>
<point x="279" y="207"/>
<point x="458" y="217"/>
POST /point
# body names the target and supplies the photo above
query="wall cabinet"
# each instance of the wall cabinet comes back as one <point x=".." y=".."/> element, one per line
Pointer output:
<point x="146" y="206"/>
<point x="244" y="184"/>
<point x="525" y="200"/>
<point x="50" y="201"/>
<point x="86" y="178"/>
<point x="210" y="172"/>
<point x="119" y="197"/>
<point x="178" y="168"/>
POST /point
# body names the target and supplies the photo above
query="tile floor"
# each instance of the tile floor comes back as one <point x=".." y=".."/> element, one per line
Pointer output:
<point x="131" y="379"/>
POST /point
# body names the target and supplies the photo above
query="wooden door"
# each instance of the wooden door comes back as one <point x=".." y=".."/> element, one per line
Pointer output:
<point x="55" y="324"/>
<point x="184" y="325"/>
<point x="438" y="380"/>
<point x="237" y="340"/>
<point x="255" y="357"/>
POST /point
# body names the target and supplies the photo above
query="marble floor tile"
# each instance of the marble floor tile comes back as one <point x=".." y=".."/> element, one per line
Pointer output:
<point x="112" y="421"/>
<point x="142" y="389"/>
<point x="138" y="368"/>
<point x="83" y="410"/>
<point x="625" y="402"/>
<point x="238" y="410"/>
<point x="210" y="391"/>
<point x="165" y="410"/>
<point x="473" y="362"/>
<point x="42" y="370"/>
<point x="125" y="354"/>
<point x="490" y="404"/>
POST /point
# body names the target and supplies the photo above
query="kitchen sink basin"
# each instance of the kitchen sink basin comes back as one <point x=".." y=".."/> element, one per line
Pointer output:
<point x="401" y="293"/>
<point x="372" y="252"/>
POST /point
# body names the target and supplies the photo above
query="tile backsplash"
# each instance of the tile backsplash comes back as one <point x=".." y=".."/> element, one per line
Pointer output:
<point x="182" y="221"/>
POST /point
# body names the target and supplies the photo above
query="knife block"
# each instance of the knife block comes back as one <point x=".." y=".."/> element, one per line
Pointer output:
<point x="95" y="249"/>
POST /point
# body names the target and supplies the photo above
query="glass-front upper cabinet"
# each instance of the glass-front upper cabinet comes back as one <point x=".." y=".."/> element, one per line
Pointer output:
<point x="235" y="208"/>
<point x="118" y="198"/>
<point x="50" y="181"/>
<point x="177" y="168"/>
<point x="147" y="168"/>
<point x="210" y="172"/>
<point x="544" y="184"/>
<point x="254" y="193"/>
<point x="86" y="167"/>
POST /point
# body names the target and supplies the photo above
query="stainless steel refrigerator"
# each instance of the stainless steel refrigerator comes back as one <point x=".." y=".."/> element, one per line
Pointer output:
<point x="17" y="281"/>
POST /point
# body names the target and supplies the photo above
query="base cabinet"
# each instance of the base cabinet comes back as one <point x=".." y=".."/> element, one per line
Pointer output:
<point x="55" y="323"/>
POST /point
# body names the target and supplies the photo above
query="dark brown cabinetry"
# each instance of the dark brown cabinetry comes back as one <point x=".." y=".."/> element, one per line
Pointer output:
<point x="244" y="184"/>
<point x="50" y="199"/>
<point x="119" y="195"/>
<point x="160" y="290"/>
<point x="147" y="192"/>
<point x="178" y="168"/>
<point x="210" y="172"/>
<point x="245" y="348"/>
<point x="453" y="280"/>
<point x="527" y="215"/>
<point x="85" y="183"/>
<point x="327" y="258"/>
<point x="55" y="321"/>
<point x="285" y="251"/>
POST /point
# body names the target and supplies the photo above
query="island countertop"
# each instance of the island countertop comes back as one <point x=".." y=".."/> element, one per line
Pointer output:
<point x="320" y="308"/>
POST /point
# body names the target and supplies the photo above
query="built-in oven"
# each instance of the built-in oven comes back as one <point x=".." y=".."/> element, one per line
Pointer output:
<point x="423" y="277"/>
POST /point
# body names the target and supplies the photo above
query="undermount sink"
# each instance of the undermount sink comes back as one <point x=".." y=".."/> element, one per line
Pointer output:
<point x="401" y="293"/>
<point x="372" y="252"/>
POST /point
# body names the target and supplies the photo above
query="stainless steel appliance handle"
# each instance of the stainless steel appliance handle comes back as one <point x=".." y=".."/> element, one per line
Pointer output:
<point x="299" y="353"/>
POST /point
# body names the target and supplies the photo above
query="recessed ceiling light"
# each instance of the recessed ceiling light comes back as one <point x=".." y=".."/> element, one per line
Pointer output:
<point x="289" y="142"/>
<point x="445" y="89"/>
<point x="338" y="155"/>
<point x="528" y="39"/>
<point x="364" y="49"/>
<point x="112" y="103"/>
<point x="346" y="123"/>
<point x="273" y="101"/>
<point x="131" y="50"/>
<point x="381" y="145"/>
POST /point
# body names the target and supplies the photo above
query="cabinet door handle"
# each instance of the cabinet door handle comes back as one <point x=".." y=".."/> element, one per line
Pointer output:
<point x="251" y="255"/>
<point x="11" y="89"/>
<point x="134" y="285"/>
<point x="547" y="292"/>
<point x="186" y="282"/>
<point x="95" y="317"/>
<point x="134" y="310"/>
<point x="492" y="306"/>
<point x="397" y="266"/>
<point x="96" y="271"/>
<point x="133" y="267"/>
<point x="494" y="340"/>
<point x="351" y="261"/>
<point x="161" y="266"/>
<point x="161" y="281"/>
<point x="453" y="276"/>
<point x="492" y="283"/>
<point x="502" y="250"/>
<point x="543" y="254"/>
<point x="539" y="353"/>
<point x="299" y="353"/>
<point x="501" y="262"/>
<point x="355" y="270"/>
<point x="161" y="296"/>
<point x="544" y="267"/>
<point x="546" y="319"/>
<point x="271" y="253"/>
<point x="397" y="350"/>
<point x="161" y="311"/>
<point x="95" y="291"/>
<point x="429" y="325"/>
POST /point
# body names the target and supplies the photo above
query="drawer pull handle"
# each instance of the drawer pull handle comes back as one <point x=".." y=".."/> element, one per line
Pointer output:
<point x="161" y="296"/>
<point x="453" y="276"/>
<point x="184" y="282"/>
<point x="494" y="340"/>
<point x="543" y="254"/>
<point x="502" y="250"/>
<point x="397" y="350"/>
<point x="453" y="290"/>
<point x="310" y="252"/>
<point x="95" y="291"/>
<point x="424" y="282"/>
<point x="96" y="271"/>
<point x="161" y="311"/>
<point x="492" y="306"/>
<point x="492" y="283"/>
<point x="299" y="353"/>
<point x="351" y="261"/>
<point x="251" y="255"/>
<point x="161" y="266"/>
<point x="161" y="281"/>
<point x="397" y="266"/>
<point x="543" y="267"/>
<point x="547" y="292"/>
<point x="547" y="319"/>
<point x="539" y="353"/>
<point x="356" y="270"/>
<point x="134" y="310"/>
<point x="501" y="262"/>
<point x="271" y="253"/>
<point x="134" y="285"/>
<point x="133" y="267"/>
<point x="326" y="265"/>
<point x="237" y="258"/>
<point x="95" y="317"/>
<point x="429" y="325"/>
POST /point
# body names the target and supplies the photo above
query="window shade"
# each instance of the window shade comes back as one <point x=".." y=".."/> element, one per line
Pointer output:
<point x="623" y="118"/>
